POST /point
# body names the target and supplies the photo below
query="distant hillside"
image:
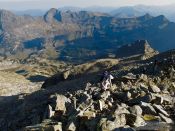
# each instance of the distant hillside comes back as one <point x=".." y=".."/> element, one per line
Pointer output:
<point x="79" y="36"/>
<point x="130" y="11"/>
<point x="136" y="11"/>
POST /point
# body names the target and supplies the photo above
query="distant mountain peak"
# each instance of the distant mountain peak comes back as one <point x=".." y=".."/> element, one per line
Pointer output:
<point x="52" y="14"/>
<point x="146" y="46"/>
<point x="5" y="13"/>
<point x="145" y="17"/>
<point x="139" y="47"/>
<point x="162" y="18"/>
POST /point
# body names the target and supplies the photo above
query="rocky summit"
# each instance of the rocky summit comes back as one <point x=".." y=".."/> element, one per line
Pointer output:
<point x="141" y="97"/>
<point x="139" y="48"/>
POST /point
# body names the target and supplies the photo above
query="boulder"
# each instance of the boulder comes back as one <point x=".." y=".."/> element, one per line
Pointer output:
<point x="158" y="100"/>
<point x="49" y="112"/>
<point x="66" y="74"/>
<point x="134" y="120"/>
<point x="124" y="96"/>
<point x="105" y="95"/>
<point x="101" y="104"/>
<point x="58" y="127"/>
<point x="71" y="126"/>
<point x="121" y="110"/>
<point x="154" y="89"/>
<point x="139" y="122"/>
<point x="142" y="93"/>
<point x="144" y="77"/>
<point x="147" y="98"/>
<point x="87" y="115"/>
<point x="137" y="110"/>
<point x="101" y="126"/>
<point x="143" y="87"/>
<point x="84" y="97"/>
<point x="130" y="76"/>
<point x="120" y="120"/>
<point x="166" y="119"/>
<point x="108" y="125"/>
<point x="160" y="109"/>
<point x="148" y="109"/>
<point x="60" y="107"/>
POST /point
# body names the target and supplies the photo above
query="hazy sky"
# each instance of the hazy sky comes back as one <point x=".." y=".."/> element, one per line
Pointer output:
<point x="46" y="4"/>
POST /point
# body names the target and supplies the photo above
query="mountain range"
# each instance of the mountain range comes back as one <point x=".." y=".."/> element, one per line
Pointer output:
<point x="80" y="35"/>
<point x="130" y="11"/>
<point x="139" y="10"/>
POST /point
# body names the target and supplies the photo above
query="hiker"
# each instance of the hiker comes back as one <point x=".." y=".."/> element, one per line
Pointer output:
<point x="107" y="83"/>
<point x="104" y="76"/>
<point x="155" y="67"/>
<point x="144" y="70"/>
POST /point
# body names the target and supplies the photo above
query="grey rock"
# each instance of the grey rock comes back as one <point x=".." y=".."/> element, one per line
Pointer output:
<point x="144" y="87"/>
<point x="158" y="100"/>
<point x="101" y="104"/>
<point x="102" y="124"/>
<point x="71" y="126"/>
<point x="49" y="112"/>
<point x="148" y="109"/>
<point x="137" y="110"/>
<point x="121" y="110"/>
<point x="130" y="76"/>
<point x="146" y="98"/>
<point x="160" y="109"/>
<point x="60" y="107"/>
<point x="134" y="120"/>
<point x="124" y="96"/>
<point x="105" y="95"/>
<point x="144" y="77"/>
<point x="166" y="119"/>
<point x="108" y="125"/>
<point x="87" y="115"/>
<point x="154" y="89"/>
<point x="120" y="120"/>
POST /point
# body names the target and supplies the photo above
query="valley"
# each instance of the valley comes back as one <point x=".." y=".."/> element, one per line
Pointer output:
<point x="78" y="36"/>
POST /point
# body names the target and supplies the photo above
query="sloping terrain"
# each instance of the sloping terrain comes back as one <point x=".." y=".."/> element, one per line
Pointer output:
<point x="81" y="74"/>
<point x="12" y="84"/>
<point x="135" y="101"/>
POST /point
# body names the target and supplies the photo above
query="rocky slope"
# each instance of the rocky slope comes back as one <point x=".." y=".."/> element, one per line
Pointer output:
<point x="78" y="36"/>
<point x="13" y="84"/>
<point x="17" y="78"/>
<point x="83" y="73"/>
<point x="135" y="101"/>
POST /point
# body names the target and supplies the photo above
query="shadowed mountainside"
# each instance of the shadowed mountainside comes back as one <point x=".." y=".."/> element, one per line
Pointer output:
<point x="78" y="36"/>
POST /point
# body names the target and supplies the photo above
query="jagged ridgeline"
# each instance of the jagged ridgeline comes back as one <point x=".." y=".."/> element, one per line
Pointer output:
<point x="78" y="36"/>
